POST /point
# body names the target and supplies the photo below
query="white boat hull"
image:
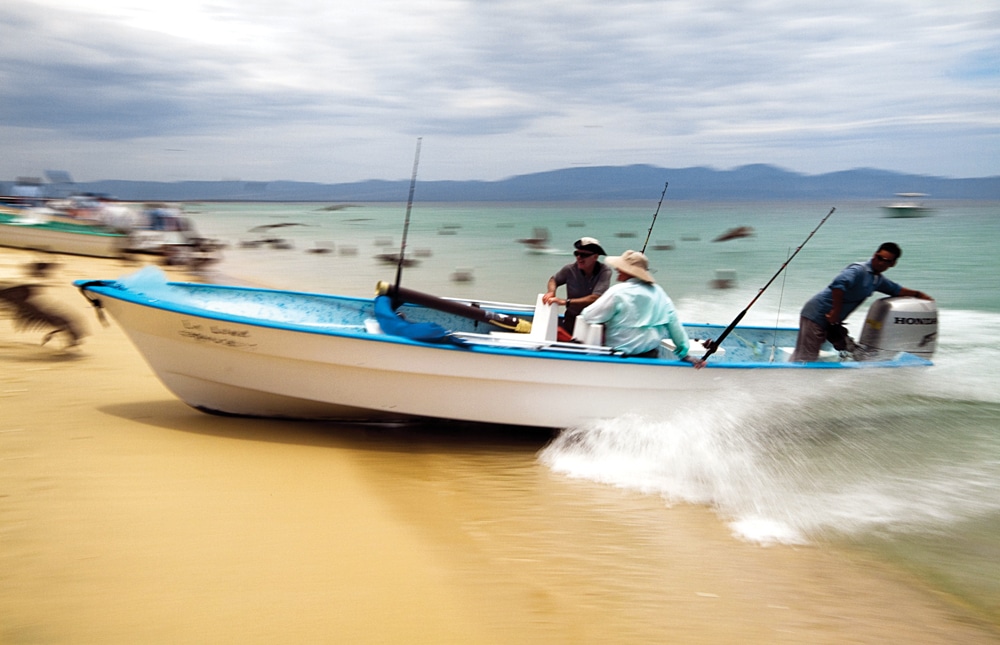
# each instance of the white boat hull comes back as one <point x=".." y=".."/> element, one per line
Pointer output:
<point x="257" y="358"/>
<point x="42" y="237"/>
<point x="52" y="234"/>
<point x="906" y="211"/>
<point x="257" y="371"/>
<point x="907" y="205"/>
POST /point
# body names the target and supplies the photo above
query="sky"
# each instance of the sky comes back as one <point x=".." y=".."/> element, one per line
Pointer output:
<point x="336" y="91"/>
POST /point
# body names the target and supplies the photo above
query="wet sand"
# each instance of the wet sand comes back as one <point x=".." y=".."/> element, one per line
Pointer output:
<point x="128" y="517"/>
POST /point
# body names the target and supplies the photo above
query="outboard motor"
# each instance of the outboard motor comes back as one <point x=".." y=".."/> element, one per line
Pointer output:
<point x="900" y="324"/>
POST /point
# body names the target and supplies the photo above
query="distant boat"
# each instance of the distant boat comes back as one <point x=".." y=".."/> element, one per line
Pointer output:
<point x="907" y="205"/>
<point x="321" y="248"/>
<point x="462" y="275"/>
<point x="735" y="233"/>
<point x="267" y="239"/>
<point x="393" y="258"/>
<point x="112" y="231"/>
<point x="279" y="243"/>
<point x="269" y="227"/>
<point x="30" y="230"/>
<point x="663" y="246"/>
<point x="538" y="242"/>
<point x="724" y="279"/>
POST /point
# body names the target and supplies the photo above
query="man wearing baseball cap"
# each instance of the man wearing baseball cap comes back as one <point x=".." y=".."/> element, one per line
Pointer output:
<point x="585" y="279"/>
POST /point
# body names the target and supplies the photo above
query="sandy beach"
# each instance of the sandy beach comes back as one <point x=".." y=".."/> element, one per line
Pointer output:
<point x="128" y="517"/>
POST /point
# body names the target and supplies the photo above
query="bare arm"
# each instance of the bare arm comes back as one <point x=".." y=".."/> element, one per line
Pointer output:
<point x="833" y="316"/>
<point x="914" y="294"/>
<point x="586" y="300"/>
<point x="550" y="294"/>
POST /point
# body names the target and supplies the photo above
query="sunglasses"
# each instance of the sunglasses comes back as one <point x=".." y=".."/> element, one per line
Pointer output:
<point x="582" y="254"/>
<point x="882" y="258"/>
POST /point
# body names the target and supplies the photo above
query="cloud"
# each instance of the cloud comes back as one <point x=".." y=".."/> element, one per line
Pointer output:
<point x="331" y="93"/>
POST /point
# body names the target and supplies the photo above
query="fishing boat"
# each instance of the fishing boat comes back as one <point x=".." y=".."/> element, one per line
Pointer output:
<point x="907" y="205"/>
<point x="403" y="354"/>
<point x="538" y="243"/>
<point x="116" y="232"/>
<point x="724" y="279"/>
<point x="32" y="229"/>
<point x="394" y="258"/>
<point x="266" y="237"/>
<point x="735" y="233"/>
<point x="462" y="275"/>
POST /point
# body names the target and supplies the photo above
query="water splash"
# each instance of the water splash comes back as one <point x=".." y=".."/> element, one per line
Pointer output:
<point x="855" y="458"/>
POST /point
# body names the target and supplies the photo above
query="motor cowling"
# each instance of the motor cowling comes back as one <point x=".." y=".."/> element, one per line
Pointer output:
<point x="900" y="324"/>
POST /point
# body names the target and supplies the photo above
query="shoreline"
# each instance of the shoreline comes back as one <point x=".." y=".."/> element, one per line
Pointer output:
<point x="126" y="516"/>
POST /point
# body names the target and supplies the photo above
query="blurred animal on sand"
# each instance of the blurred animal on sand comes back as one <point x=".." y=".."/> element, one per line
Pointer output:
<point x="31" y="311"/>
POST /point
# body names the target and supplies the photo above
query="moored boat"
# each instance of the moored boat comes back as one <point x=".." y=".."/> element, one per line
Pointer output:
<point x="116" y="231"/>
<point x="735" y="233"/>
<point x="269" y="353"/>
<point x="538" y="243"/>
<point x="907" y="205"/>
<point x="31" y="229"/>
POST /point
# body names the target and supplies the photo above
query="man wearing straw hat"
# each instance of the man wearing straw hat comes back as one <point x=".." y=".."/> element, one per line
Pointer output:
<point x="636" y="312"/>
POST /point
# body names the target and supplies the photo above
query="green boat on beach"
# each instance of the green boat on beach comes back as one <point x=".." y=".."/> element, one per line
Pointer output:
<point x="32" y="229"/>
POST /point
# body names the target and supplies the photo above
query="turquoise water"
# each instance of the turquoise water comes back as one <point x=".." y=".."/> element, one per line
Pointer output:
<point x="949" y="255"/>
<point x="907" y="468"/>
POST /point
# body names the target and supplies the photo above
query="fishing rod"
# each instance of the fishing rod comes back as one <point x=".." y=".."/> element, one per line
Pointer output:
<point x="650" y="232"/>
<point x="406" y="222"/>
<point x="777" y="316"/>
<point x="718" y="341"/>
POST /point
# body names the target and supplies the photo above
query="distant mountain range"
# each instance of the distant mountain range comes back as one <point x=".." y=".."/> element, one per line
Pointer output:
<point x="758" y="182"/>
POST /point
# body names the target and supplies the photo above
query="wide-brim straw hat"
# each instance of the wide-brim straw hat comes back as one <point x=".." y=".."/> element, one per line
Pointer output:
<point x="633" y="263"/>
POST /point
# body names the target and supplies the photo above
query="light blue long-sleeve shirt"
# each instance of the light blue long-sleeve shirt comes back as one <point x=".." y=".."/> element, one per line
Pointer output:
<point x="636" y="315"/>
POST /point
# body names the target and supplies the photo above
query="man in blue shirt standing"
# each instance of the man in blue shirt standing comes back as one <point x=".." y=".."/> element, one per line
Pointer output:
<point x="848" y="290"/>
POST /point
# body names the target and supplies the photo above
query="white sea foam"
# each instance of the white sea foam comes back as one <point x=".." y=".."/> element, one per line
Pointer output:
<point x="797" y="464"/>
